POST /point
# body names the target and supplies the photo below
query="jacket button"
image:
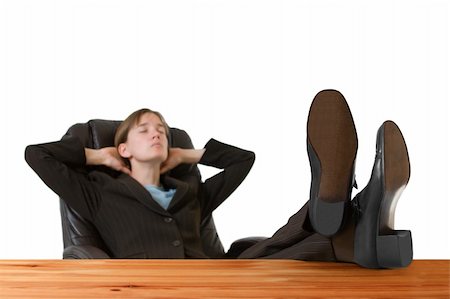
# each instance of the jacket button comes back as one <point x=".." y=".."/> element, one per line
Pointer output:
<point x="167" y="220"/>
<point x="176" y="243"/>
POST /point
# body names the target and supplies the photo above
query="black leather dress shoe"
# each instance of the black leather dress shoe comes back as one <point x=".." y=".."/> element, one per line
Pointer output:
<point x="332" y="144"/>
<point x="376" y="243"/>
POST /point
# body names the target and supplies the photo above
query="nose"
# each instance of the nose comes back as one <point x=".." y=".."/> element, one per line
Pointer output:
<point x="156" y="136"/>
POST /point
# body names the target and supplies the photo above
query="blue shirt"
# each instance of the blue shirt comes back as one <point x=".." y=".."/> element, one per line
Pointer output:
<point x="161" y="196"/>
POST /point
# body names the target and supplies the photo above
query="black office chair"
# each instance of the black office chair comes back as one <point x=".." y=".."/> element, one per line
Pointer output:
<point x="81" y="238"/>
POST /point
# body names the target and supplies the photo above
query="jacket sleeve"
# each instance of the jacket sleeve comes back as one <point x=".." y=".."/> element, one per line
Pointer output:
<point x="236" y="164"/>
<point x="56" y="163"/>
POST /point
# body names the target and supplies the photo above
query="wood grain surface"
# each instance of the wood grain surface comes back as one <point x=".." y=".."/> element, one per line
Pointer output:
<point x="218" y="279"/>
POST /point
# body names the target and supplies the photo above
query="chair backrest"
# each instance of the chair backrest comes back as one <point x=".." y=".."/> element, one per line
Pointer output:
<point x="98" y="133"/>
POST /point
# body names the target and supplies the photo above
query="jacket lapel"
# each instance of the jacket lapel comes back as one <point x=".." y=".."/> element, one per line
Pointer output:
<point x="141" y="194"/>
<point x="180" y="186"/>
<point x="144" y="197"/>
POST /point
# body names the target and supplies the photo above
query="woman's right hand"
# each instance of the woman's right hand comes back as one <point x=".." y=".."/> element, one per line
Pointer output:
<point x="107" y="156"/>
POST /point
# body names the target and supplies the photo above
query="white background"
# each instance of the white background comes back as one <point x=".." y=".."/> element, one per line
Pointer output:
<point x="243" y="72"/>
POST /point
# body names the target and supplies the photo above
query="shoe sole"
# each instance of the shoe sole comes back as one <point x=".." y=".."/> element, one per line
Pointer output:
<point x="333" y="140"/>
<point x="394" y="248"/>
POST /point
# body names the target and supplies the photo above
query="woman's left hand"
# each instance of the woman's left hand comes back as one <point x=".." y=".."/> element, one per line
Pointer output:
<point x="178" y="156"/>
<point x="174" y="159"/>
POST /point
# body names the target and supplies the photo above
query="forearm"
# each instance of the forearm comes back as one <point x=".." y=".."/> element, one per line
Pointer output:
<point x="107" y="156"/>
<point x="68" y="151"/>
<point x="236" y="163"/>
<point x="192" y="156"/>
<point x="93" y="156"/>
<point x="221" y="155"/>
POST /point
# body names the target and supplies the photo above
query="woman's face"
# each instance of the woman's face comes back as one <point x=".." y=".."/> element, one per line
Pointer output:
<point x="147" y="141"/>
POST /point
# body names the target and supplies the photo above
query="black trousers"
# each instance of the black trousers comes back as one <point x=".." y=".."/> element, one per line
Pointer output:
<point x="295" y="240"/>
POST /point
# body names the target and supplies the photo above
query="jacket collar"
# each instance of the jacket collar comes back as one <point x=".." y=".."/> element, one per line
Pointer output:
<point x="143" y="196"/>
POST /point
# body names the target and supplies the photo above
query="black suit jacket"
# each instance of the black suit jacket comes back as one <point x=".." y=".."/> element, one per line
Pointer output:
<point x="131" y="223"/>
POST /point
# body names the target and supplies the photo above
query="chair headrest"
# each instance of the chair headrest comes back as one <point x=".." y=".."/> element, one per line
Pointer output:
<point x="98" y="133"/>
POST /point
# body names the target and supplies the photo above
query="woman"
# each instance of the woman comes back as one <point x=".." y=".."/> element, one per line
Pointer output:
<point x="141" y="213"/>
<point x="146" y="214"/>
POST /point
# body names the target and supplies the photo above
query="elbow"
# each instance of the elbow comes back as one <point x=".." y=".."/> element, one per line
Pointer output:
<point x="30" y="155"/>
<point x="251" y="158"/>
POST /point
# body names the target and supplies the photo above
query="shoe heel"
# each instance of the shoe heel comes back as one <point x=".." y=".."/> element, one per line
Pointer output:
<point x="394" y="250"/>
<point x="328" y="217"/>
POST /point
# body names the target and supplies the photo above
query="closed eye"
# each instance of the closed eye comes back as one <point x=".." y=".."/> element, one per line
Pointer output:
<point x="143" y="128"/>
<point x="161" y="129"/>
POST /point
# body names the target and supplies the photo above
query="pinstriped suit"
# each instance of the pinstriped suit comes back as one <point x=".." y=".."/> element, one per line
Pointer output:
<point x="295" y="240"/>
<point x="130" y="222"/>
<point x="133" y="225"/>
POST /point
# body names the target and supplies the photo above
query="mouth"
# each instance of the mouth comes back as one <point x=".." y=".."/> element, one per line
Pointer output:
<point x="157" y="144"/>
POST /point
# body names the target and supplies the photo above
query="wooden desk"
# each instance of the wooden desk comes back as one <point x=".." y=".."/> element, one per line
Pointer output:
<point x="218" y="279"/>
